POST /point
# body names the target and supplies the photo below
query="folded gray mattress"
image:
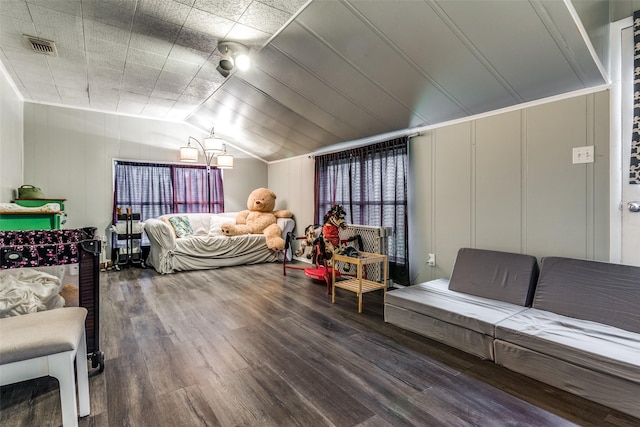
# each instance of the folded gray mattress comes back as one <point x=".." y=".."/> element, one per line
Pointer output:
<point x="582" y="333"/>
<point x="592" y="345"/>
<point x="435" y="299"/>
<point x="486" y="287"/>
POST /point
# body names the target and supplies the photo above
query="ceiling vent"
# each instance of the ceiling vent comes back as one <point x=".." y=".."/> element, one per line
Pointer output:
<point x="38" y="45"/>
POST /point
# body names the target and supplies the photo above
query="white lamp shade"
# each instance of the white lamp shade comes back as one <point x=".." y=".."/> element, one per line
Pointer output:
<point x="213" y="144"/>
<point x="188" y="154"/>
<point x="224" y="161"/>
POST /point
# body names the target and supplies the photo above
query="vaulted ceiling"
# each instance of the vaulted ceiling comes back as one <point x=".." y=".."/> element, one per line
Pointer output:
<point x="323" y="72"/>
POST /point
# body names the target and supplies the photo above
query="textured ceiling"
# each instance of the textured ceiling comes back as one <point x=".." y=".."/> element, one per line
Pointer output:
<point x="335" y="71"/>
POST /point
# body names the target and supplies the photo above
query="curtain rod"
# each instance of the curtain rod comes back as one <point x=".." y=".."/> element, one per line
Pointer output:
<point x="341" y="146"/>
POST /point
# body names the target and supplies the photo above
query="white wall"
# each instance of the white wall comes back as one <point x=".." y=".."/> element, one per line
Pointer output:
<point x="11" y="140"/>
<point x="504" y="182"/>
<point x="69" y="153"/>
<point x="507" y="182"/>
<point x="292" y="181"/>
<point x="247" y="174"/>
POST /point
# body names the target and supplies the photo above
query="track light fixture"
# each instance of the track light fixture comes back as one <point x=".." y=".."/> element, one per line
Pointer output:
<point x="234" y="55"/>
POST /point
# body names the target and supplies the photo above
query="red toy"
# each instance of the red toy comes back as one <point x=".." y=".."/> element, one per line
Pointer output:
<point x="323" y="246"/>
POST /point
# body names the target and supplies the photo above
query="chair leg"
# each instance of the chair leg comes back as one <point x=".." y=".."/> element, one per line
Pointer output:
<point x="61" y="367"/>
<point x="82" y="372"/>
<point x="327" y="280"/>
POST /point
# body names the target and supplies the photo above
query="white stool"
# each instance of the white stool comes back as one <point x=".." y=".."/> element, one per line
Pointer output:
<point x="46" y="343"/>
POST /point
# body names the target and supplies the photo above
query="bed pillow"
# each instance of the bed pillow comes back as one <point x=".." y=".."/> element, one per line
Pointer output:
<point x="215" y="224"/>
<point x="181" y="226"/>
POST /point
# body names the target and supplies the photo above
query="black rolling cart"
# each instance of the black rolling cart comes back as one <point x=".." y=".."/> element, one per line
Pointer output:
<point x="127" y="235"/>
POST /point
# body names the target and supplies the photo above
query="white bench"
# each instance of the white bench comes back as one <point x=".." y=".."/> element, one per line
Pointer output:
<point x="46" y="343"/>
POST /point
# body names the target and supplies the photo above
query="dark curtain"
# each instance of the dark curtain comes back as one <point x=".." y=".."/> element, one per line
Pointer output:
<point x="371" y="184"/>
<point x="190" y="190"/>
<point x="634" y="167"/>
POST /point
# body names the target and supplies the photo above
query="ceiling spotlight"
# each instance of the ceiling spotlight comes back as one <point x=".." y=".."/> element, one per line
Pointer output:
<point x="222" y="71"/>
<point x="243" y="62"/>
<point x="234" y="55"/>
<point x="226" y="62"/>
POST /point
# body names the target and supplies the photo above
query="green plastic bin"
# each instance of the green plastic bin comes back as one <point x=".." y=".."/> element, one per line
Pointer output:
<point x="32" y="221"/>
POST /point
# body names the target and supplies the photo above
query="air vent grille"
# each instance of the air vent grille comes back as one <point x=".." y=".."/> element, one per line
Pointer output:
<point x="38" y="45"/>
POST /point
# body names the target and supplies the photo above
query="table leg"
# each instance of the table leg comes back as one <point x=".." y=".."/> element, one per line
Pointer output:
<point x="386" y="273"/>
<point x="359" y="274"/>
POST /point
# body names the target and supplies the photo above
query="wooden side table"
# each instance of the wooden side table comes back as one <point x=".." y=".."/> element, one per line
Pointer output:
<point x="359" y="284"/>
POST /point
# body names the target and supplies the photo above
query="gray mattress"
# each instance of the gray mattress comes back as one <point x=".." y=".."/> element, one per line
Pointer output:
<point x="608" y="349"/>
<point x="591" y="290"/>
<point x="503" y="276"/>
<point x="613" y="392"/>
<point x="475" y="343"/>
<point x="433" y="299"/>
<point x="581" y="335"/>
<point x="466" y="322"/>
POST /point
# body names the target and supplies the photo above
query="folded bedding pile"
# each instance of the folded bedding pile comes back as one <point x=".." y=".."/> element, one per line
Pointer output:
<point x="10" y="208"/>
<point x="27" y="290"/>
<point x="576" y="326"/>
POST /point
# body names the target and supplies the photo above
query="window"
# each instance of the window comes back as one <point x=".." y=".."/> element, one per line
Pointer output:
<point x="371" y="184"/>
<point x="155" y="189"/>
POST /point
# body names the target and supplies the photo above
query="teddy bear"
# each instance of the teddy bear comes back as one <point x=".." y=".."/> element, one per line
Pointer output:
<point x="260" y="218"/>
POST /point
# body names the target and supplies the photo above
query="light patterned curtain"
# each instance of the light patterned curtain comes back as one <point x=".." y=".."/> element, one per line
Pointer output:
<point x="154" y="189"/>
<point x="371" y="184"/>
<point x="634" y="167"/>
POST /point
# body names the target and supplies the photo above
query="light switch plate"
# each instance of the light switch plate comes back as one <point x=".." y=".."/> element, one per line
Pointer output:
<point x="583" y="154"/>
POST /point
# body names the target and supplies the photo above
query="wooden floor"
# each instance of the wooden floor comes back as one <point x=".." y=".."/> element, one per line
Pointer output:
<point x="245" y="346"/>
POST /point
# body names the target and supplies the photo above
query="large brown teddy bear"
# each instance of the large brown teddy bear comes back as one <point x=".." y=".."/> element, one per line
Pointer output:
<point x="260" y="218"/>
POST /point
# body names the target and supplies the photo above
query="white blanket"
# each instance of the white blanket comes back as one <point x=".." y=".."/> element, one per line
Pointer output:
<point x="16" y="208"/>
<point x="24" y="290"/>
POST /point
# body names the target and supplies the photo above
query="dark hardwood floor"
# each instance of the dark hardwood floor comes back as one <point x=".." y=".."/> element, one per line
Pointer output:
<point x="246" y="346"/>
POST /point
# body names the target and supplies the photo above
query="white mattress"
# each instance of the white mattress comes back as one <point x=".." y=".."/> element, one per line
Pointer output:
<point x="592" y="345"/>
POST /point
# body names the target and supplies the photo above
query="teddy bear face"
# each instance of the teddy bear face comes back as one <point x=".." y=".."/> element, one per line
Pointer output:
<point x="261" y="200"/>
